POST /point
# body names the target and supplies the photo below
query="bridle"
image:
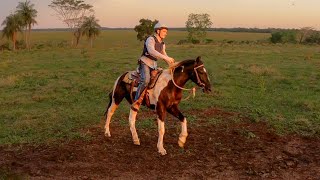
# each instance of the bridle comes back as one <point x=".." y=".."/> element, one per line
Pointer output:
<point x="200" y="83"/>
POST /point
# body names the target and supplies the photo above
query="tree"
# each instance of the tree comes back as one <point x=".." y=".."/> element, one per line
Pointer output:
<point x="197" y="25"/>
<point x="145" y="28"/>
<point x="304" y="33"/>
<point x="90" y="28"/>
<point x="13" y="24"/>
<point x="72" y="13"/>
<point x="28" y="14"/>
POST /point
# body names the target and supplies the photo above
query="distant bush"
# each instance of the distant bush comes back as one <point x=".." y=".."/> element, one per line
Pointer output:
<point x="313" y="38"/>
<point x="283" y="37"/>
<point x="276" y="37"/>
<point x="20" y="44"/>
<point x="195" y="41"/>
<point x="183" y="41"/>
<point x="245" y="42"/>
<point x="5" y="46"/>
<point x="63" y="44"/>
<point x="51" y="44"/>
<point x="208" y="41"/>
<point x="39" y="46"/>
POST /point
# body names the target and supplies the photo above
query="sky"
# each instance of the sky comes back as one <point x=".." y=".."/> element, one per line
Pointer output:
<point x="174" y="13"/>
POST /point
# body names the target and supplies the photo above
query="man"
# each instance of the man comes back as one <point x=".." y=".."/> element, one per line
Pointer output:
<point x="154" y="49"/>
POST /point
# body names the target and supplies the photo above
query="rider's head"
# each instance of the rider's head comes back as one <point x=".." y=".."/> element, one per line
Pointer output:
<point x="161" y="30"/>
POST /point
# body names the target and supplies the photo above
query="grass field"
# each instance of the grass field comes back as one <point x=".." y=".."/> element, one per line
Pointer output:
<point x="51" y="92"/>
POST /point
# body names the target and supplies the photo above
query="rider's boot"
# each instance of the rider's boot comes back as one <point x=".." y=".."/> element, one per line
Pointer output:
<point x="136" y="104"/>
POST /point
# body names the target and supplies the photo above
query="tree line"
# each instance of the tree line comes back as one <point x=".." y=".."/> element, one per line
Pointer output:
<point x="305" y="35"/>
<point x="79" y="17"/>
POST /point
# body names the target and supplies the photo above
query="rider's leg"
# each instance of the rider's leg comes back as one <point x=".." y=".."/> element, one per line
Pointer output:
<point x="144" y="81"/>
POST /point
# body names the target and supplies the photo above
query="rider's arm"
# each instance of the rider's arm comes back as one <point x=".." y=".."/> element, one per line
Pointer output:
<point x="150" y="43"/>
<point x="164" y="50"/>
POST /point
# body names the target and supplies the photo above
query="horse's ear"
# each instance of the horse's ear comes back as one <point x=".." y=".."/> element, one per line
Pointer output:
<point x="198" y="59"/>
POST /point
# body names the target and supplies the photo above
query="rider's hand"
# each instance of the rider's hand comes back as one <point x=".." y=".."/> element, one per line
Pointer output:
<point x="170" y="60"/>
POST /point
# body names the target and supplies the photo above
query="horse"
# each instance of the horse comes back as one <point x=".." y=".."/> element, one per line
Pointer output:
<point x="164" y="97"/>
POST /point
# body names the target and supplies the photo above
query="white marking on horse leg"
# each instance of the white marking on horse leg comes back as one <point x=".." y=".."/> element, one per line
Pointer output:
<point x="184" y="133"/>
<point x="132" y="122"/>
<point x="161" y="130"/>
<point x="110" y="113"/>
<point x="111" y="110"/>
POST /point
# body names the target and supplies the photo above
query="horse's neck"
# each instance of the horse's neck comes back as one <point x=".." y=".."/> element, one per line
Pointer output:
<point x="181" y="78"/>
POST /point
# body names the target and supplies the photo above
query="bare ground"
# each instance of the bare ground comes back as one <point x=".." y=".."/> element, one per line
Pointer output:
<point x="227" y="150"/>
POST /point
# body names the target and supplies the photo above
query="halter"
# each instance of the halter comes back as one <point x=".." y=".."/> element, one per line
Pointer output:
<point x="201" y="84"/>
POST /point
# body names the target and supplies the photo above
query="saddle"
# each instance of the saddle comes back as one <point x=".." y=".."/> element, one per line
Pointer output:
<point x="134" y="77"/>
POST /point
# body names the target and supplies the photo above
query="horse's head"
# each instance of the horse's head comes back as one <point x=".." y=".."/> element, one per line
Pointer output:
<point x="200" y="76"/>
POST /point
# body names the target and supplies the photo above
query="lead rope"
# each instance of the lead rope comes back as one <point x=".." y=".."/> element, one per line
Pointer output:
<point x="192" y="90"/>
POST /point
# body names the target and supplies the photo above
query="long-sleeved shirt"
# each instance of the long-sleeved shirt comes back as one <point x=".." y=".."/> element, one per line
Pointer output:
<point x="150" y="44"/>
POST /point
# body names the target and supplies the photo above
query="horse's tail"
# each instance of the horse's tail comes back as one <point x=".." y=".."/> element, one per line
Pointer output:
<point x="111" y="94"/>
<point x="110" y="101"/>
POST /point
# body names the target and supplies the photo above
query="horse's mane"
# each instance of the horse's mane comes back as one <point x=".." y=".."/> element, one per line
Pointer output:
<point x="181" y="63"/>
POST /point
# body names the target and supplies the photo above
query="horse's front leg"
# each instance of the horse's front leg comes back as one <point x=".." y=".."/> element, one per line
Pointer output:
<point x="174" y="110"/>
<point x="184" y="133"/>
<point x="132" y="122"/>
<point x="161" y="116"/>
<point x="161" y="130"/>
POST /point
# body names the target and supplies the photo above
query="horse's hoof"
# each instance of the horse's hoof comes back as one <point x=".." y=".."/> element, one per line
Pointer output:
<point x="136" y="142"/>
<point x="107" y="134"/>
<point x="181" y="144"/>
<point x="162" y="151"/>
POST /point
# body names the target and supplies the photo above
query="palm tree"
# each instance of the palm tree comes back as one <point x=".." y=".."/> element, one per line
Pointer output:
<point x="90" y="28"/>
<point x="28" y="14"/>
<point x="13" y="24"/>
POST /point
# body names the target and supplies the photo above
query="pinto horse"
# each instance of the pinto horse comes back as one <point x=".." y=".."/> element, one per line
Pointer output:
<point x="164" y="97"/>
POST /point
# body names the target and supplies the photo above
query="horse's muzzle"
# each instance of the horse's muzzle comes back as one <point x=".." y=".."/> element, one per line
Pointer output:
<point x="206" y="90"/>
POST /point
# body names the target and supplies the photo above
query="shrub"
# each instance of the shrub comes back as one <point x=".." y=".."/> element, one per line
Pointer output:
<point x="20" y="44"/>
<point x="195" y="41"/>
<point x="4" y="46"/>
<point x="208" y="41"/>
<point x="183" y="41"/>
<point x="63" y="44"/>
<point x="313" y="38"/>
<point x="283" y="37"/>
<point x="276" y="37"/>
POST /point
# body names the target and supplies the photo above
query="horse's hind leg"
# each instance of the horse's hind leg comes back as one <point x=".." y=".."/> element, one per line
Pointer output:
<point x="132" y="122"/>
<point x="109" y="113"/>
<point x="116" y="96"/>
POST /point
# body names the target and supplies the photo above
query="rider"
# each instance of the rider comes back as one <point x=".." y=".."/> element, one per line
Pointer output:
<point x="154" y="49"/>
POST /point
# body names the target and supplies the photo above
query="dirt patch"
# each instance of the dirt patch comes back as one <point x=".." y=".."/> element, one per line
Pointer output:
<point x="242" y="150"/>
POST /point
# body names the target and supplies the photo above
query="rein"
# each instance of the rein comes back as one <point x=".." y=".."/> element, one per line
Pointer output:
<point x="192" y="90"/>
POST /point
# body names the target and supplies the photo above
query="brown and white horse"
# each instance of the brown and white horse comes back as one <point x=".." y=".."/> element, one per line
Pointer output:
<point x="164" y="97"/>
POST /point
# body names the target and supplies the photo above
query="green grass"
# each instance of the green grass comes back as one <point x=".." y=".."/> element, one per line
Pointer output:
<point x="52" y="93"/>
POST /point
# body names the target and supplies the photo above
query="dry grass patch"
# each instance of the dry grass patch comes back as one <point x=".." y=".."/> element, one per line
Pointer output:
<point x="258" y="70"/>
<point x="8" y="81"/>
